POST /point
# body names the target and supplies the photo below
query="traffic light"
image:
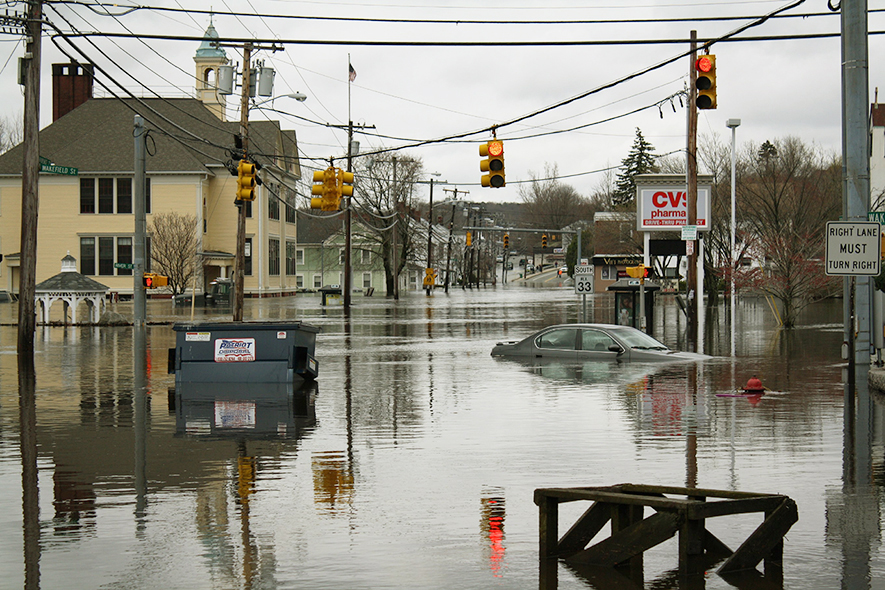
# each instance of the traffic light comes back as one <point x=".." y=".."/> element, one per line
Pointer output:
<point x="246" y="181"/>
<point x="637" y="272"/>
<point x="152" y="280"/>
<point x="469" y="240"/>
<point x="345" y="184"/>
<point x="543" y="240"/>
<point x="506" y="242"/>
<point x="706" y="81"/>
<point x="494" y="164"/>
<point x="325" y="185"/>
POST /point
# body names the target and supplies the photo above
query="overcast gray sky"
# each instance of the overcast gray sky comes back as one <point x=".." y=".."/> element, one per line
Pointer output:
<point x="414" y="93"/>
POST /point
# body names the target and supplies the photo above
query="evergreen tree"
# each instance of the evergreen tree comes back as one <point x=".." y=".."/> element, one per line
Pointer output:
<point x="640" y="160"/>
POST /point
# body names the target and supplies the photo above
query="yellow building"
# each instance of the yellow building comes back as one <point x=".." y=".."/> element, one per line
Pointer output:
<point x="90" y="215"/>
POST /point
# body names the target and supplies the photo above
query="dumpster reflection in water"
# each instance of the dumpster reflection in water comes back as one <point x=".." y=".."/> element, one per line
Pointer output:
<point x="243" y="410"/>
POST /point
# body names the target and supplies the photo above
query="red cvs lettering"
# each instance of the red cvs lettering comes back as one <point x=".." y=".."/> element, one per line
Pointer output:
<point x="660" y="198"/>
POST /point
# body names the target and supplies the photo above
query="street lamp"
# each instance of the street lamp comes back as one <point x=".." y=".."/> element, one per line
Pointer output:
<point x="300" y="97"/>
<point x="733" y="125"/>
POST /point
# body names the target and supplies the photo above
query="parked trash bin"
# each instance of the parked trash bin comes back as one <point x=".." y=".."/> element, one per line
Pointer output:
<point x="254" y="352"/>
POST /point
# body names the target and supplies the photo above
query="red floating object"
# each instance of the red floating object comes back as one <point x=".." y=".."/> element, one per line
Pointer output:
<point x="754" y="385"/>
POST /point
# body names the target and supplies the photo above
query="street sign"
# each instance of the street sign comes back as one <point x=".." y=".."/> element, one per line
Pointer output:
<point x="877" y="216"/>
<point x="689" y="233"/>
<point x="583" y="268"/>
<point x="853" y="248"/>
<point x="124" y="265"/>
<point x="53" y="169"/>
<point x="583" y="282"/>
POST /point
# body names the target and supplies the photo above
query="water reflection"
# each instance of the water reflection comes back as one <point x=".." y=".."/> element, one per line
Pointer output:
<point x="379" y="481"/>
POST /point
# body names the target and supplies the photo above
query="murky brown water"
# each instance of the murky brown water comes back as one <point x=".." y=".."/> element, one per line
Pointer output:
<point x="413" y="461"/>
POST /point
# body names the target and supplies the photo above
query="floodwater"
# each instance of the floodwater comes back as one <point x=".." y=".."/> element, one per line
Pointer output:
<point x="413" y="461"/>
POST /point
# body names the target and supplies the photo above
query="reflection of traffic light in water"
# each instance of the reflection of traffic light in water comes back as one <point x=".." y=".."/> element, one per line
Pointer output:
<point x="492" y="527"/>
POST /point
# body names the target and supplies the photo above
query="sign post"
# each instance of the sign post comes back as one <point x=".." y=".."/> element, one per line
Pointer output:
<point x="583" y="285"/>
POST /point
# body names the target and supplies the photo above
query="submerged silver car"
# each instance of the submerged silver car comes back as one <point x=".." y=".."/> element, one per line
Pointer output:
<point x="592" y="342"/>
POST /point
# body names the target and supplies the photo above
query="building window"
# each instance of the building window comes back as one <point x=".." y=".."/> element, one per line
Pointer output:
<point x="367" y="280"/>
<point x="365" y="256"/>
<point x="124" y="254"/>
<point x="273" y="202"/>
<point x="247" y="263"/>
<point x="291" y="205"/>
<point x="106" y="255"/>
<point x="299" y="257"/>
<point x="317" y="281"/>
<point x="105" y="251"/>
<point x="609" y="273"/>
<point x="273" y="257"/>
<point x="147" y="195"/>
<point x="341" y="254"/>
<point x="105" y="195"/>
<point x="124" y="195"/>
<point x="112" y="195"/>
<point x="299" y="281"/>
<point x="87" y="196"/>
<point x="87" y="255"/>
<point x="291" y="248"/>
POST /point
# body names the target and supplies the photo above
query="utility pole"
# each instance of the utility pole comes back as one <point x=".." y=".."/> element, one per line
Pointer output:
<point x="430" y="235"/>
<point x="691" y="167"/>
<point x="455" y="193"/>
<point x="240" y="260"/>
<point x="27" y="319"/>
<point x="138" y="294"/>
<point x="348" y="222"/>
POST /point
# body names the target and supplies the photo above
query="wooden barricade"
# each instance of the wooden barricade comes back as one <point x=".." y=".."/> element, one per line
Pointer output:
<point x="632" y="533"/>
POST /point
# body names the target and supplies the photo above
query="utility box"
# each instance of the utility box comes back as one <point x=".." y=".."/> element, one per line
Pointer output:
<point x="627" y="303"/>
<point x="243" y="352"/>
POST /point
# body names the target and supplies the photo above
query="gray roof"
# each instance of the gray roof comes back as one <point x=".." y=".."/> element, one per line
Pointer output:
<point x="70" y="281"/>
<point x="318" y="228"/>
<point x="96" y="138"/>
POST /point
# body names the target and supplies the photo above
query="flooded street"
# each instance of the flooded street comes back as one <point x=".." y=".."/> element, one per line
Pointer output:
<point x="413" y="460"/>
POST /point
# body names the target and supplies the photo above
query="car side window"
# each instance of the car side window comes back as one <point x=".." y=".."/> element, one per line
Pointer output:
<point x="595" y="340"/>
<point x="560" y="339"/>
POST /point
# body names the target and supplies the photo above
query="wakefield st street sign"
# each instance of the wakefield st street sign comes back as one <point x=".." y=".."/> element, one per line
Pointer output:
<point x="853" y="248"/>
<point x="47" y="167"/>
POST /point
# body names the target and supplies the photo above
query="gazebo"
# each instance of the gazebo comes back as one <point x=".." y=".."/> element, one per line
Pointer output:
<point x="71" y="288"/>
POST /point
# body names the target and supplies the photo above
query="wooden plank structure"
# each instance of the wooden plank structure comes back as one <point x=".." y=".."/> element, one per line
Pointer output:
<point x="632" y="533"/>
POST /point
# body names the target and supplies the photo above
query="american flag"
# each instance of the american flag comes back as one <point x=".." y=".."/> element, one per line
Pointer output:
<point x="352" y="73"/>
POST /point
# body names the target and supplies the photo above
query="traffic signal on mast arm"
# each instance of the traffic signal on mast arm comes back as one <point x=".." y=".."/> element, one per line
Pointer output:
<point x="345" y="185"/>
<point x="246" y="181"/>
<point x="326" y="186"/>
<point x="706" y="82"/>
<point x="637" y="272"/>
<point x="506" y="242"/>
<point x="543" y="240"/>
<point x="493" y="151"/>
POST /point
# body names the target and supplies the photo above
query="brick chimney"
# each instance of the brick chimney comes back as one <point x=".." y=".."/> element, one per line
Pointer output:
<point x="71" y="87"/>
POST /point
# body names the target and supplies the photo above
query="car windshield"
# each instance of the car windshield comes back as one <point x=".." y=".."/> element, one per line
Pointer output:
<point x="640" y="340"/>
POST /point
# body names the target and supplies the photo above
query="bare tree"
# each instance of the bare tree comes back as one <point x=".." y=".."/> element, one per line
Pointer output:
<point x="174" y="247"/>
<point x="11" y="132"/>
<point x="385" y="208"/>
<point x="787" y="191"/>
<point x="550" y="203"/>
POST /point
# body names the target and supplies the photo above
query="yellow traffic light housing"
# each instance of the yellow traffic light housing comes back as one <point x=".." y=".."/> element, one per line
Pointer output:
<point x="469" y="240"/>
<point x="494" y="164"/>
<point x="637" y="272"/>
<point x="246" y="181"/>
<point x="543" y="240"/>
<point x="345" y="183"/>
<point x="326" y="186"/>
<point x="706" y="82"/>
<point x="506" y="242"/>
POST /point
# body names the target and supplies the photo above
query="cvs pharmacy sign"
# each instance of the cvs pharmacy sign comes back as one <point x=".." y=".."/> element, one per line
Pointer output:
<point x="665" y="207"/>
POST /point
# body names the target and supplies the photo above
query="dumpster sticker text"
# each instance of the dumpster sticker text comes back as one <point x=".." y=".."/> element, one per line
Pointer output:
<point x="234" y="350"/>
<point x="197" y="336"/>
